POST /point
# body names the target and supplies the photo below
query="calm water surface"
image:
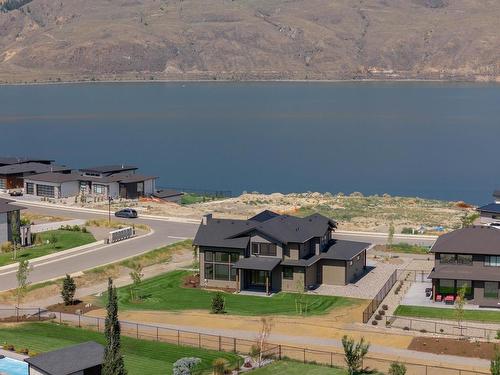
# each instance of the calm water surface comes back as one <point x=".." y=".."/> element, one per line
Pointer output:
<point x="426" y="139"/>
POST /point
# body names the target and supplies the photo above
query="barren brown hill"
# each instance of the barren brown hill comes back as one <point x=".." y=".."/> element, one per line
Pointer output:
<point x="53" y="40"/>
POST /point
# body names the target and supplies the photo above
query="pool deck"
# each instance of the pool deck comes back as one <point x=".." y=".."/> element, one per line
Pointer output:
<point x="13" y="355"/>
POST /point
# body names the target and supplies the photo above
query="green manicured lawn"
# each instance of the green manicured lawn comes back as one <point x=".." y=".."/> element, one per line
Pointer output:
<point x="447" y="314"/>
<point x="165" y="292"/>
<point x="404" y="248"/>
<point x="141" y="357"/>
<point x="65" y="240"/>
<point x="297" y="368"/>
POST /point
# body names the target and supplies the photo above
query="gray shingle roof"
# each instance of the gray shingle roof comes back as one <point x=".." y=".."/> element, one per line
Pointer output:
<point x="471" y="240"/>
<point x="7" y="206"/>
<point x="257" y="263"/>
<point x="264" y="216"/>
<point x="8" y="160"/>
<point x="217" y="233"/>
<point x="76" y="176"/>
<point x="69" y="360"/>
<point x="465" y="273"/>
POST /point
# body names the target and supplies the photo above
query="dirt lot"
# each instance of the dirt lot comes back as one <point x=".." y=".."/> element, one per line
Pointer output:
<point x="353" y="212"/>
<point x="462" y="348"/>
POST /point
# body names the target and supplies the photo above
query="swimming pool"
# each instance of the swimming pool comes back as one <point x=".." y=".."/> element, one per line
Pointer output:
<point x="11" y="366"/>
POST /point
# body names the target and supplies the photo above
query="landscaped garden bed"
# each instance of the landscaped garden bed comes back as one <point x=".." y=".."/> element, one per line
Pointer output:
<point x="463" y="348"/>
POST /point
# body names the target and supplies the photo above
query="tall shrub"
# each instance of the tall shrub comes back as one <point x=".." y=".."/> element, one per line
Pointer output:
<point x="354" y="352"/>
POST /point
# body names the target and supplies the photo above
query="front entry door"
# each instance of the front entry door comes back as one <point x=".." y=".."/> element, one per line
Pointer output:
<point x="257" y="279"/>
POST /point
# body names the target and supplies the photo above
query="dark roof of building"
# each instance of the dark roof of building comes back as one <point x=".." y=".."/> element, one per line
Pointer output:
<point x="344" y="250"/>
<point x="69" y="360"/>
<point x="470" y="240"/>
<point x="58" y="178"/>
<point x="282" y="228"/>
<point x="493" y="208"/>
<point x="465" y="273"/>
<point x="7" y="206"/>
<point x="167" y="193"/>
<point x="109" y="168"/>
<point x="338" y="250"/>
<point x="31" y="167"/>
<point x="257" y="263"/>
<point x="9" y="160"/>
<point x="264" y="216"/>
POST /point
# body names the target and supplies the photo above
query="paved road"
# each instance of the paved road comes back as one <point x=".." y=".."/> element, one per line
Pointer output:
<point x="164" y="233"/>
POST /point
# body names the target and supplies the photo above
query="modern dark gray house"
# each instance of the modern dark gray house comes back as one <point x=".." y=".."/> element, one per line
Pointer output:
<point x="82" y="359"/>
<point x="116" y="181"/>
<point x="490" y="213"/>
<point x="271" y="252"/>
<point x="13" y="171"/>
<point x="468" y="257"/>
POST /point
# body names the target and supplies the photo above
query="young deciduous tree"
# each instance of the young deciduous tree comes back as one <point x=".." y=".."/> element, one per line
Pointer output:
<point x="68" y="290"/>
<point x="495" y="363"/>
<point x="390" y="236"/>
<point x="354" y="354"/>
<point x="267" y="324"/>
<point x="22" y="275"/>
<point x="136" y="275"/>
<point x="459" y="306"/>
<point x="113" y="360"/>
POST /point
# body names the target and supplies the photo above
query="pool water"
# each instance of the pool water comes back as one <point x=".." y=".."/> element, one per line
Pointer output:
<point x="10" y="366"/>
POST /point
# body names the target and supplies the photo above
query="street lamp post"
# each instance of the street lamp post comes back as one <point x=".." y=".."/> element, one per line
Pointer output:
<point x="109" y="209"/>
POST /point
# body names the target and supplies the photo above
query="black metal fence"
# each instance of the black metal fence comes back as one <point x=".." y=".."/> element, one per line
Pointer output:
<point x="443" y="328"/>
<point x="375" y="303"/>
<point x="232" y="344"/>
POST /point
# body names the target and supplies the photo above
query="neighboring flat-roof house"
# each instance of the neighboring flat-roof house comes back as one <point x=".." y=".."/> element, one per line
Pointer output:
<point x="169" y="195"/>
<point x="9" y="216"/>
<point x="82" y="359"/>
<point x="272" y="252"/>
<point x="107" y="181"/>
<point x="12" y="175"/>
<point x="9" y="160"/>
<point x="470" y="257"/>
<point x="490" y="213"/>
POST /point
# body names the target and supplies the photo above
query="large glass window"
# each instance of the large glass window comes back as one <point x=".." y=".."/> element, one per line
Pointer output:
<point x="288" y="273"/>
<point x="491" y="290"/>
<point x="99" y="189"/>
<point x="45" y="191"/>
<point x="3" y="184"/>
<point x="219" y="265"/>
<point x="447" y="258"/>
<point x="30" y="188"/>
<point x="264" y="249"/>
<point x="464" y="259"/>
<point x="446" y="286"/>
<point x="492" y="261"/>
<point x="467" y="284"/>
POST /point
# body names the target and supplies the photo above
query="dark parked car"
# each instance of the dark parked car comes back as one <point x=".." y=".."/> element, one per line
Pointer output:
<point x="126" y="213"/>
<point x="16" y="193"/>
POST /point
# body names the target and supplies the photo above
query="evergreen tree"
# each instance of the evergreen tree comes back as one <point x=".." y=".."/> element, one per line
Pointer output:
<point x="113" y="359"/>
<point x="68" y="290"/>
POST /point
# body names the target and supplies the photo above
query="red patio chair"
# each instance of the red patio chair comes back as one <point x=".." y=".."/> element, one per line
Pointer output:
<point x="439" y="297"/>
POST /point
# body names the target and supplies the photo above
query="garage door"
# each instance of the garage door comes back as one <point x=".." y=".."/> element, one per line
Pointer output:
<point x="45" y="191"/>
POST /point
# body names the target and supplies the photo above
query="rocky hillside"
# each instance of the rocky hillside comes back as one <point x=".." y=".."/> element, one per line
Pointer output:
<point x="249" y="39"/>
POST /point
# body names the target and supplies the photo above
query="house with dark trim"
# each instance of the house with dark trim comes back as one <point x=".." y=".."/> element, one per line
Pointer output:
<point x="490" y="213"/>
<point x="13" y="171"/>
<point x="271" y="252"/>
<point x="10" y="216"/>
<point x="81" y="359"/>
<point x="116" y="181"/>
<point x="468" y="257"/>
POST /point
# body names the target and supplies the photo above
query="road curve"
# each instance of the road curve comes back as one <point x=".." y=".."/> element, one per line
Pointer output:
<point x="163" y="233"/>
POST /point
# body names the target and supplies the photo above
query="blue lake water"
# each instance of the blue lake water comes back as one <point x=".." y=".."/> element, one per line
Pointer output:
<point x="426" y="139"/>
<point x="10" y="366"/>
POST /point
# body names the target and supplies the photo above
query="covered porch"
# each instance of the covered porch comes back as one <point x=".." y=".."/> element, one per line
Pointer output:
<point x="255" y="274"/>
